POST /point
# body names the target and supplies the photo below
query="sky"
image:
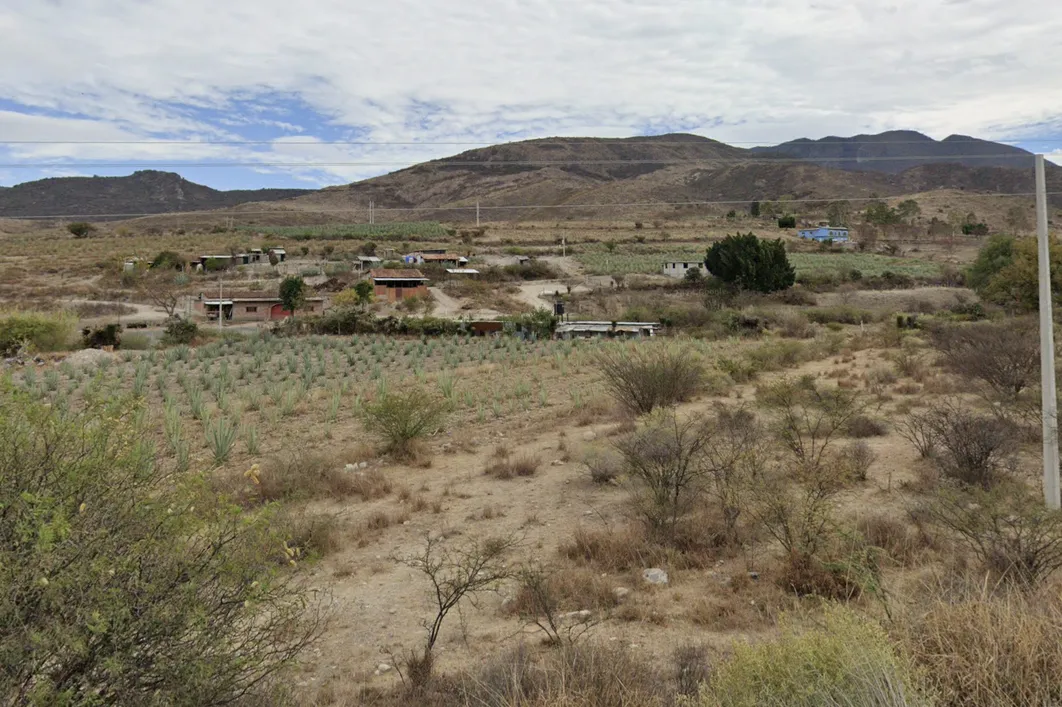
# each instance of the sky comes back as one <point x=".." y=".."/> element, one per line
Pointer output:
<point x="274" y="93"/>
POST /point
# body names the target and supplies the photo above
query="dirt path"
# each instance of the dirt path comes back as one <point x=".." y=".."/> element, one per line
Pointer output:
<point x="144" y="312"/>
<point x="448" y="307"/>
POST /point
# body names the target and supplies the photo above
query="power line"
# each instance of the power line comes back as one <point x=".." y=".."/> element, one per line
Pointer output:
<point x="472" y="207"/>
<point x="536" y="163"/>
<point x="575" y="140"/>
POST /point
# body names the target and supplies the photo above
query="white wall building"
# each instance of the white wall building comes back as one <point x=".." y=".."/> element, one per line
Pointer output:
<point x="679" y="269"/>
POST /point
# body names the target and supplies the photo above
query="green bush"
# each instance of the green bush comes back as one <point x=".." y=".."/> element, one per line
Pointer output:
<point x="404" y="418"/>
<point x="43" y="332"/>
<point x="120" y="584"/>
<point x="81" y="229"/>
<point x="846" y="660"/>
<point x="745" y="261"/>
<point x="180" y="331"/>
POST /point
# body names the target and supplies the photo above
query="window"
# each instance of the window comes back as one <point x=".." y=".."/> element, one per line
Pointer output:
<point x="251" y="310"/>
<point x="685" y="266"/>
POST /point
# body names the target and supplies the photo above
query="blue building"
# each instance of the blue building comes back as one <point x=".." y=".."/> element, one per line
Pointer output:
<point x="837" y="234"/>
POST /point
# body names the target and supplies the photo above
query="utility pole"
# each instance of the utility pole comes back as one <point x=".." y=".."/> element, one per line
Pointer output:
<point x="1048" y="394"/>
<point x="221" y="306"/>
<point x="564" y="247"/>
<point x="372" y="216"/>
<point x="477" y="214"/>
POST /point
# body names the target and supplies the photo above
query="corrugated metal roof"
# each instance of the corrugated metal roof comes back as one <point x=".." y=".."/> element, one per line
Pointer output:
<point x="405" y="274"/>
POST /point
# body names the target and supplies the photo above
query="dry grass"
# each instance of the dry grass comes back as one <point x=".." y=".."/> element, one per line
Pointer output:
<point x="903" y="543"/>
<point x="313" y="475"/>
<point x="616" y="551"/>
<point x="503" y="466"/>
<point x="989" y="649"/>
<point x="573" y="589"/>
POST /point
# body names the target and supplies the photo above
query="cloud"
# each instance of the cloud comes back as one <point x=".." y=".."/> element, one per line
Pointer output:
<point x="749" y="71"/>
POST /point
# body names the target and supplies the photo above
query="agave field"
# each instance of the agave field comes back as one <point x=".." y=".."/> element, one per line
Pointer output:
<point x="420" y="230"/>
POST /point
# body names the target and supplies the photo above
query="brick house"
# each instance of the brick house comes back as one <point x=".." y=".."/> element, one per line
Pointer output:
<point x="396" y="285"/>
<point x="252" y="308"/>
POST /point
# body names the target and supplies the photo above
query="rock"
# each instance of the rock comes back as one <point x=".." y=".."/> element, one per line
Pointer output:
<point x="349" y="468"/>
<point x="754" y="576"/>
<point x="621" y="593"/>
<point x="589" y="436"/>
<point x="655" y="575"/>
<point x="363" y="465"/>
<point x="383" y="669"/>
<point x="557" y="462"/>
<point x="576" y="617"/>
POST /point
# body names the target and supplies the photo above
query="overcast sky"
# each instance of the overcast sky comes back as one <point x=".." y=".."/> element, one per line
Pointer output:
<point x="443" y="71"/>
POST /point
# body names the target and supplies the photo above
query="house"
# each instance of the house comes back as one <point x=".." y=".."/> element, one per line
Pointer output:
<point x="252" y="307"/>
<point x="678" y="269"/>
<point x="214" y="262"/>
<point x="837" y="234"/>
<point x="396" y="285"/>
<point x="281" y="254"/>
<point x="611" y="330"/>
<point x="466" y="272"/>
<point x="368" y="262"/>
<point x="445" y="259"/>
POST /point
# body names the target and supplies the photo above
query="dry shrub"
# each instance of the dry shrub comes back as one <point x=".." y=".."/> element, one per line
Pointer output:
<point x="856" y="458"/>
<point x="604" y="465"/>
<point x="580" y="675"/>
<point x="974" y="449"/>
<point x="1007" y="528"/>
<point x="299" y="476"/>
<point x="809" y="417"/>
<point x="900" y="541"/>
<point x="794" y="325"/>
<point x="614" y="551"/>
<point x="989" y="649"/>
<point x="1000" y="359"/>
<point x="512" y="467"/>
<point x="307" y="536"/>
<point x="571" y="588"/>
<point x="862" y="426"/>
<point x="643" y="378"/>
<point x="691" y="668"/>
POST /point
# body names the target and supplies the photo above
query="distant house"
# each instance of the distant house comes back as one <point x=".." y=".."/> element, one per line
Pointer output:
<point x="281" y="254"/>
<point x="466" y="272"/>
<point x="368" y="262"/>
<point x="678" y="269"/>
<point x="251" y="307"/>
<point x="451" y="260"/>
<point x="825" y="233"/>
<point x="397" y="285"/>
<point x="611" y="330"/>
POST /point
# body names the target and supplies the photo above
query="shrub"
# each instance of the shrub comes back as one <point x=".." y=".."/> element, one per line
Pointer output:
<point x="41" y="331"/>
<point x="616" y="551"/>
<point x="1002" y="359"/>
<point x="857" y="458"/>
<point x="1012" y="533"/>
<point x="642" y="379"/>
<point x="123" y="585"/>
<point x="136" y="342"/>
<point x="665" y="462"/>
<point x="973" y="449"/>
<point x="301" y="476"/>
<point x="293" y="293"/>
<point x="733" y="458"/>
<point x="988" y="650"/>
<point x="604" y="466"/>
<point x="81" y="229"/>
<point x="403" y="418"/>
<point x="847" y="660"/>
<point x="99" y="337"/>
<point x="862" y="426"/>
<point x="745" y="261"/>
<point x="180" y="331"/>
<point x="512" y="467"/>
<point x="810" y="416"/>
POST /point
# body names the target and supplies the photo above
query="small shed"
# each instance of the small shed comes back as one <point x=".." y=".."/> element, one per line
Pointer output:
<point x="368" y="262"/>
<point x="468" y="272"/>
<point x="678" y="269"/>
<point x="837" y="234"/>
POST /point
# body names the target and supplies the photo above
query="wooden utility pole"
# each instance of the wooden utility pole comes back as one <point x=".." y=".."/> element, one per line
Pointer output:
<point x="1049" y="397"/>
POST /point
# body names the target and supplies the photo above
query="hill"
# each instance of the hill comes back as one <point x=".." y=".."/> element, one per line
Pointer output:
<point x="587" y="177"/>
<point x="144" y="192"/>
<point x="897" y="151"/>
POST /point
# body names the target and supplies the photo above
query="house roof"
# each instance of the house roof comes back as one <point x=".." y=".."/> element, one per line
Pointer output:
<point x="404" y="274"/>
<point x="442" y="257"/>
<point x="462" y="271"/>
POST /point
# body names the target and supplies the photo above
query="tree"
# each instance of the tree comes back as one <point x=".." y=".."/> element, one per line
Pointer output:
<point x="121" y="584"/>
<point x="164" y="289"/>
<point x="754" y="208"/>
<point x="365" y="291"/>
<point x="274" y="260"/>
<point x="880" y="214"/>
<point x="787" y="221"/>
<point x="839" y="213"/>
<point x="455" y="573"/>
<point x="368" y="248"/>
<point x="908" y="210"/>
<point x="81" y="229"/>
<point x="1005" y="273"/>
<point x="168" y="259"/>
<point x="1018" y="219"/>
<point x="293" y="293"/>
<point x="749" y="263"/>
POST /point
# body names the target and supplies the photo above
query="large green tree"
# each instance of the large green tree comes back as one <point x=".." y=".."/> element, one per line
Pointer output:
<point x="1006" y="273"/>
<point x="751" y="263"/>
<point x="122" y="584"/>
<point x="293" y="293"/>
